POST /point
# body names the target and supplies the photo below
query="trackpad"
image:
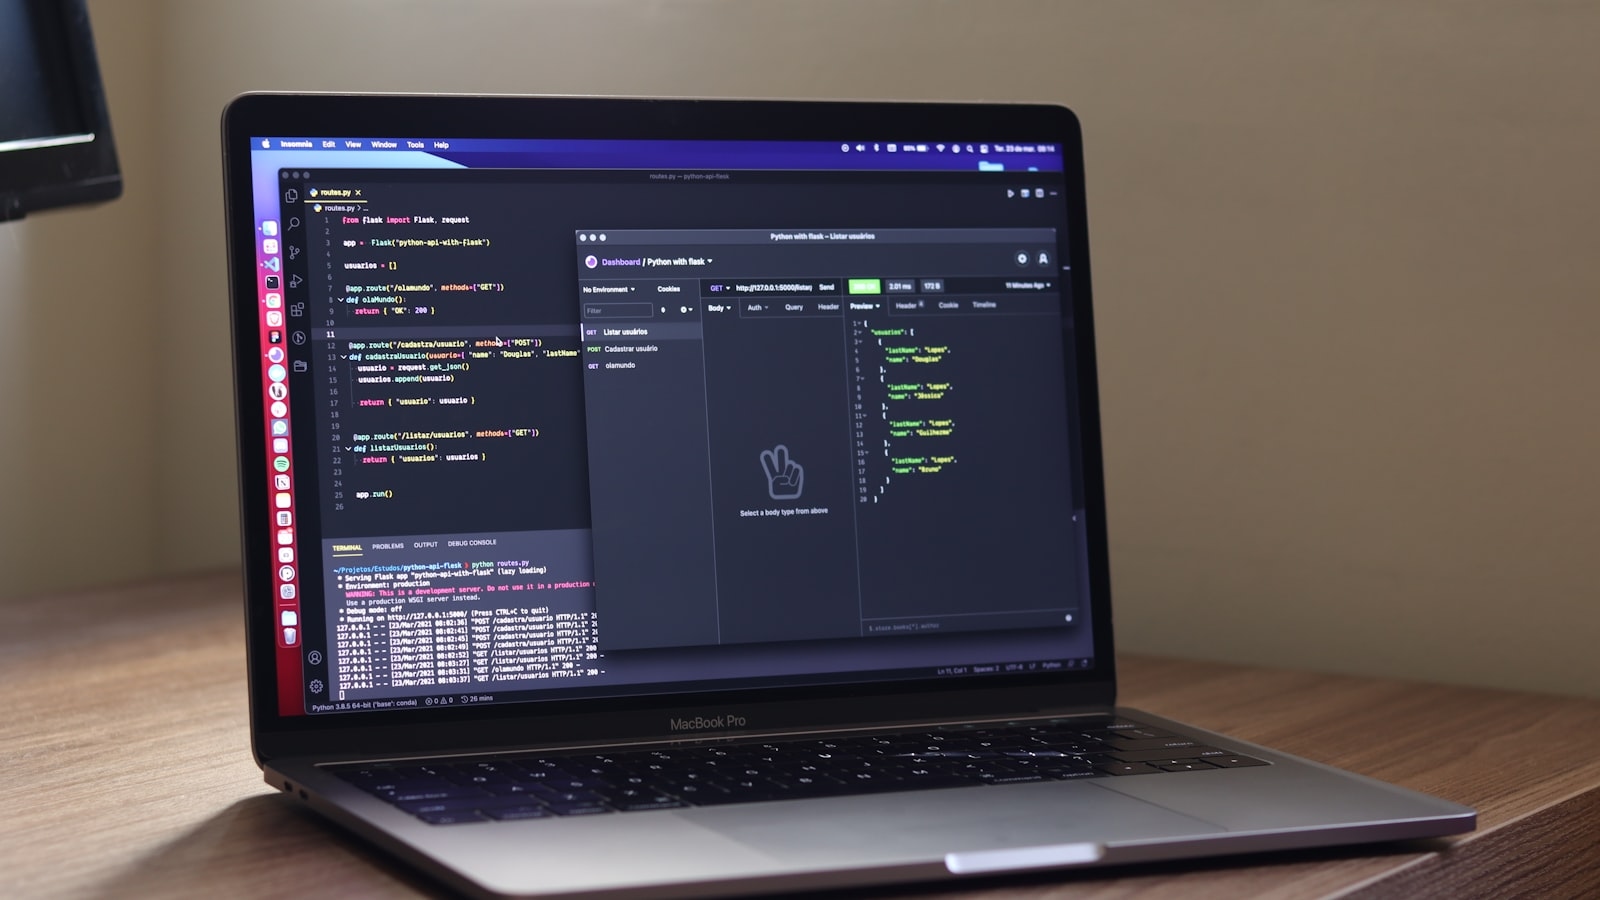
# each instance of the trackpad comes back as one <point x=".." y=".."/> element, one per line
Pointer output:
<point x="931" y="824"/>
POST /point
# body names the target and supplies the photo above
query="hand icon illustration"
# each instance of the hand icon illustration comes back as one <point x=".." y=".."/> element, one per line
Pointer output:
<point x="785" y="477"/>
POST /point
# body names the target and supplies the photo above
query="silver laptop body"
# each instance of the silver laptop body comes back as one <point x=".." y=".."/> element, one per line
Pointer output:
<point x="647" y="435"/>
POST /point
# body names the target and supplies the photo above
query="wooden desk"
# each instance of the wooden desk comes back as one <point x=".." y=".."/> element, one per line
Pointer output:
<point x="126" y="771"/>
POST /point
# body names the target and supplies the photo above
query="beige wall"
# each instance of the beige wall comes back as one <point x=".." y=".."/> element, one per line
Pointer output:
<point x="79" y="291"/>
<point x="1344" y="257"/>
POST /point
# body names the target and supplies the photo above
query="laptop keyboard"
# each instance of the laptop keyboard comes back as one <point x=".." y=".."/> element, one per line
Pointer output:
<point x="713" y="773"/>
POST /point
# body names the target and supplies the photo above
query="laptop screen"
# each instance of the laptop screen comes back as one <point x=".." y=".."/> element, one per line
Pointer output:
<point x="572" y="418"/>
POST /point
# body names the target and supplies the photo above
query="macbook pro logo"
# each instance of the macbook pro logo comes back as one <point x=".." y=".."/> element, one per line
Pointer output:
<point x="706" y="723"/>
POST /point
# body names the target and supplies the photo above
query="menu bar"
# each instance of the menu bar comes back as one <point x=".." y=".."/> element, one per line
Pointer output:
<point x="614" y="154"/>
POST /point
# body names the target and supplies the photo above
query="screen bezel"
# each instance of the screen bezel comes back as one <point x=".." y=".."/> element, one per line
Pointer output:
<point x="639" y="717"/>
<point x="45" y="177"/>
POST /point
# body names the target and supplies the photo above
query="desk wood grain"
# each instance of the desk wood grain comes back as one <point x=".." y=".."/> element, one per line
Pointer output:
<point x="126" y="770"/>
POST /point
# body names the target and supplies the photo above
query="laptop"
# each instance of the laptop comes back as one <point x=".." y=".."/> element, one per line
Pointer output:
<point x="682" y="498"/>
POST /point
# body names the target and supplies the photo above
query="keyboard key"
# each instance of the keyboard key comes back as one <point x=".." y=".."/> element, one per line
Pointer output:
<point x="518" y="812"/>
<point x="1003" y="778"/>
<point x="553" y="796"/>
<point x="927" y="780"/>
<point x="805" y="782"/>
<point x="578" y="809"/>
<point x="695" y="793"/>
<point x="1064" y="774"/>
<point x="1232" y="761"/>
<point x="1168" y="743"/>
<point x="722" y="798"/>
<point x="1132" y="733"/>
<point x="643" y="805"/>
<point x="1128" y="769"/>
<point x="442" y="805"/>
<point x="405" y="795"/>
<point x="1063" y="767"/>
<point x="1164" y="753"/>
<point x="459" y="817"/>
